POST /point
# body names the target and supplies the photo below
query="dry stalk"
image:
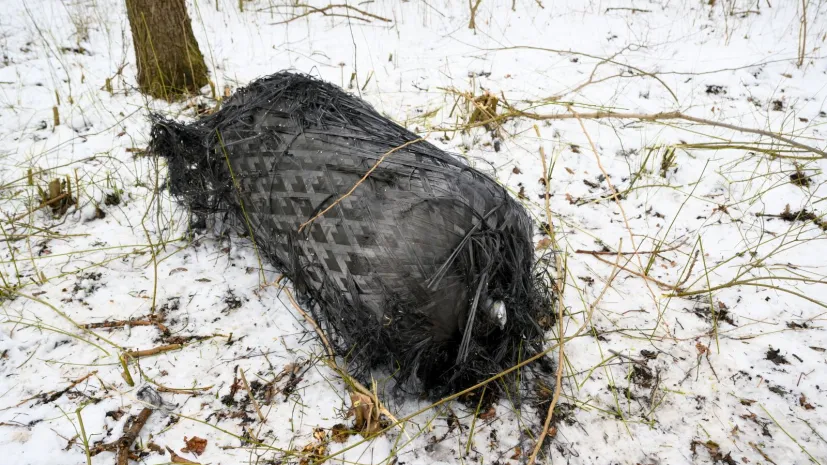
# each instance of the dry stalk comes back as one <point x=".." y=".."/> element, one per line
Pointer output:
<point x="331" y="362"/>
<point x="122" y="323"/>
<point x="472" y="23"/>
<point x="802" y="34"/>
<point x="252" y="398"/>
<point x="560" y="307"/>
<point x="42" y="205"/>
<point x="154" y="351"/>
<point x="188" y="391"/>
<point x="660" y="284"/>
<point x="615" y="197"/>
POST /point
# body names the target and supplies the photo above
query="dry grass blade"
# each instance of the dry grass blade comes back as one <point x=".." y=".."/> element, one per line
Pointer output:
<point x="331" y="362"/>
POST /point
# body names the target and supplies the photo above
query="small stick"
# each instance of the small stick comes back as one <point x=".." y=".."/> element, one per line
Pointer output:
<point x="122" y="445"/>
<point x="472" y="23"/>
<point x="42" y="205"/>
<point x="117" y="324"/>
<point x="154" y="351"/>
<point x="631" y="359"/>
<point x="252" y="398"/>
<point x="190" y="391"/>
<point x="129" y="436"/>
<point x="54" y="395"/>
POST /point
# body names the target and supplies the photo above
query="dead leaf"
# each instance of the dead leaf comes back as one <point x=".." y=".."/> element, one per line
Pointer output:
<point x="516" y="170"/>
<point x="488" y="414"/>
<point x="517" y="453"/>
<point x="155" y="448"/>
<point x="570" y="199"/>
<point x="367" y="416"/>
<point x="313" y="453"/>
<point x="571" y="171"/>
<point x="195" y="445"/>
<point x="175" y="458"/>
<point x="802" y="401"/>
<point x="339" y="433"/>
<point x="319" y="434"/>
<point x="177" y="270"/>
<point x="702" y="349"/>
<point x="543" y="243"/>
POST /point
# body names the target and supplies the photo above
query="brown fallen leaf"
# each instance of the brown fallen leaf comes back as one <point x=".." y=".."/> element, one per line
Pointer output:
<point x="195" y="445"/>
<point x="521" y="194"/>
<point x="571" y="171"/>
<point x="488" y="414"/>
<point x="366" y="413"/>
<point x="543" y="243"/>
<point x="339" y="433"/>
<point x="177" y="270"/>
<point x="175" y="458"/>
<point x="802" y="401"/>
<point x="155" y="448"/>
<point x="517" y="453"/>
<point x="313" y="453"/>
<point x="516" y="170"/>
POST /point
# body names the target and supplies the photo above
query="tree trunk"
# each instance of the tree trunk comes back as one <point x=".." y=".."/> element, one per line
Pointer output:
<point x="169" y="61"/>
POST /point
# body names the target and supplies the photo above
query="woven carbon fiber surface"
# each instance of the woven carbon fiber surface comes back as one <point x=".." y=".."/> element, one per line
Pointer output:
<point x="396" y="273"/>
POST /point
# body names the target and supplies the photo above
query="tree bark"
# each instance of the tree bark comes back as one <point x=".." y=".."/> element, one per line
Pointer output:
<point x="170" y="63"/>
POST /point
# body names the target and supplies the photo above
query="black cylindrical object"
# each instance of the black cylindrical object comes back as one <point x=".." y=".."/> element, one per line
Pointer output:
<point x="424" y="269"/>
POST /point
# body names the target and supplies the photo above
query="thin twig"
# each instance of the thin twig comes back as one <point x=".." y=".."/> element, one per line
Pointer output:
<point x="153" y="351"/>
<point x="352" y="189"/>
<point x="54" y="395"/>
<point x="472" y="23"/>
<point x="660" y="284"/>
<point x="252" y="398"/>
<point x="42" y="205"/>
<point x="556" y="396"/>
<point x="324" y="12"/>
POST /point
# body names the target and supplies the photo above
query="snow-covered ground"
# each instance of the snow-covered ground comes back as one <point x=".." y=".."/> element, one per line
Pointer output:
<point x="707" y="346"/>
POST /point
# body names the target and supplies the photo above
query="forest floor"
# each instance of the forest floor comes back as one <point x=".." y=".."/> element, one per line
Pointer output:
<point x="687" y="230"/>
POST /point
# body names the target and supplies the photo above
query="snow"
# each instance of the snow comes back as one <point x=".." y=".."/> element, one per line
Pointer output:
<point x="715" y="375"/>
